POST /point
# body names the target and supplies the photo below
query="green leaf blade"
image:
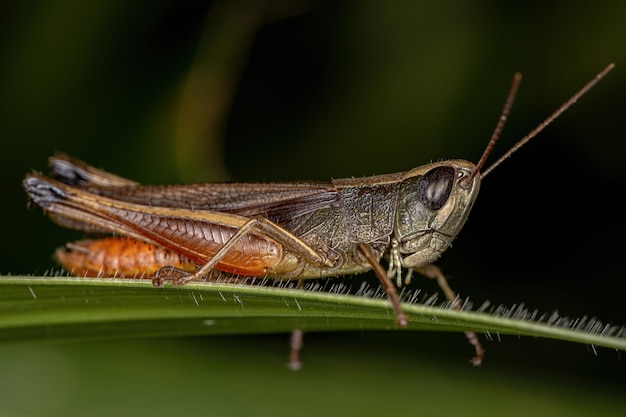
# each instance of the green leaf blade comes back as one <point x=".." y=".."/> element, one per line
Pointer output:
<point x="77" y="308"/>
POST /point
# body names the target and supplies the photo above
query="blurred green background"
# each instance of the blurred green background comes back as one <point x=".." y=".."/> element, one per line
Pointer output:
<point x="166" y="91"/>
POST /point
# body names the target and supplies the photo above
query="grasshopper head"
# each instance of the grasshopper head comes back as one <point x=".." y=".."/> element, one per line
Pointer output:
<point x="434" y="202"/>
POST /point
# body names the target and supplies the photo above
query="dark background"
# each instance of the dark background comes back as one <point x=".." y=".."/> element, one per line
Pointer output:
<point x="167" y="91"/>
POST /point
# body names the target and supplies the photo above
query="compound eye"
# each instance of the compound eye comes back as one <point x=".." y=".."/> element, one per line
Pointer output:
<point x="434" y="187"/>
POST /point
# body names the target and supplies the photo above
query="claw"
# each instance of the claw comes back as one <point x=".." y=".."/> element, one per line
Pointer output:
<point x="175" y="275"/>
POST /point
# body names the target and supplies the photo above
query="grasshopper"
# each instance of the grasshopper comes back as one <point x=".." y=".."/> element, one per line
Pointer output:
<point x="293" y="230"/>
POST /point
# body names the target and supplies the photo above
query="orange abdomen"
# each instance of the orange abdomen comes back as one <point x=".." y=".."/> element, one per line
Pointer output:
<point x="119" y="257"/>
<point x="130" y="258"/>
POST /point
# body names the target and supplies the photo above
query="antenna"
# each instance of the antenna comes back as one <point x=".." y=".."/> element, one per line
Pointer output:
<point x="541" y="125"/>
<point x="510" y="98"/>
